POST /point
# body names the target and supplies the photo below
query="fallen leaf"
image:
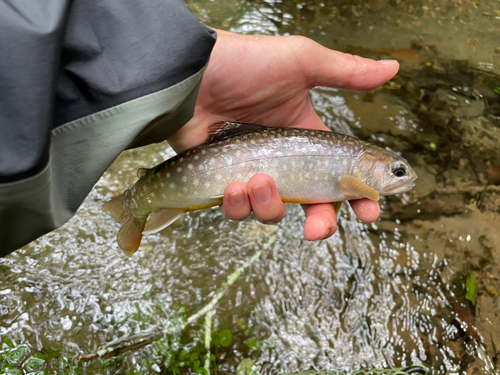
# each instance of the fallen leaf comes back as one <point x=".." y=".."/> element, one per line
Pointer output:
<point x="493" y="174"/>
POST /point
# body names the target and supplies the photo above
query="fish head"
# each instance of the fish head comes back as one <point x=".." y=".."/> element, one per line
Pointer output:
<point x="386" y="172"/>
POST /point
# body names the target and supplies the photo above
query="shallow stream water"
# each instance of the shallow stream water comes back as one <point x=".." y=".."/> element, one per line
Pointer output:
<point x="419" y="286"/>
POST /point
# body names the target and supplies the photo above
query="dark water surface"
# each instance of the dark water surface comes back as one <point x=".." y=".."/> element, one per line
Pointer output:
<point x="389" y="294"/>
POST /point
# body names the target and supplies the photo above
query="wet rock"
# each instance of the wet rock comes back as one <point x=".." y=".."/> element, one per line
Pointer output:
<point x="492" y="291"/>
<point x="490" y="202"/>
<point x="491" y="243"/>
<point x="466" y="319"/>
<point x="482" y="137"/>
<point x="493" y="174"/>
<point x="488" y="322"/>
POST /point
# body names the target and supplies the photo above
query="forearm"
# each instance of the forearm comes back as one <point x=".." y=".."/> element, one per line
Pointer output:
<point x="132" y="81"/>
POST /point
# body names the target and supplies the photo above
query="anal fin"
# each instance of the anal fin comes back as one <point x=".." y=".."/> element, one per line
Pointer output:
<point x="351" y="186"/>
<point x="161" y="219"/>
<point x="219" y="198"/>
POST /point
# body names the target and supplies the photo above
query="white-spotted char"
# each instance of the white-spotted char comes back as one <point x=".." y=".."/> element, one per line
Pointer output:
<point x="308" y="166"/>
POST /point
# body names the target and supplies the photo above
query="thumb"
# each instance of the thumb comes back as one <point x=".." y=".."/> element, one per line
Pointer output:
<point x="326" y="67"/>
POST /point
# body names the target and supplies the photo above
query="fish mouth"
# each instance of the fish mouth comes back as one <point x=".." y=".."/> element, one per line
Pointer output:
<point x="398" y="189"/>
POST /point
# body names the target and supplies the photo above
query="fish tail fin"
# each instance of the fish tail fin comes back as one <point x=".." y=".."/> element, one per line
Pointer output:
<point x="116" y="208"/>
<point x="130" y="234"/>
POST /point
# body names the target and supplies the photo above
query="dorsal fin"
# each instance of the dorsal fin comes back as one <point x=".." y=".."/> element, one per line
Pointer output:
<point x="221" y="130"/>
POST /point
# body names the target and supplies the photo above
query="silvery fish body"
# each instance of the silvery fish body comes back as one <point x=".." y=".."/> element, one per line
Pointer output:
<point x="308" y="166"/>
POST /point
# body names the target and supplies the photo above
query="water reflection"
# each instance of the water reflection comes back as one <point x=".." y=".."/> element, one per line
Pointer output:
<point x="388" y="294"/>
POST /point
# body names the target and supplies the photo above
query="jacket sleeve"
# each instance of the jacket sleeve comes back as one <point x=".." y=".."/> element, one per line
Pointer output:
<point x="81" y="81"/>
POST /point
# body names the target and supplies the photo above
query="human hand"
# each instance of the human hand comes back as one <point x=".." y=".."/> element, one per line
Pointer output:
<point x="266" y="80"/>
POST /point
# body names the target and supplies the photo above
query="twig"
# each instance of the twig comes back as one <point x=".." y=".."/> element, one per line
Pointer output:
<point x="208" y="336"/>
<point x="138" y="342"/>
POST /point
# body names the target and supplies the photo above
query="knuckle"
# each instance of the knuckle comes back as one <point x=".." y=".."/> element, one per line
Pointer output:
<point x="357" y="64"/>
<point x="271" y="219"/>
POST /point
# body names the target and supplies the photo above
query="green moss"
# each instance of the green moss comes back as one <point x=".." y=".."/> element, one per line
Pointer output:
<point x="471" y="288"/>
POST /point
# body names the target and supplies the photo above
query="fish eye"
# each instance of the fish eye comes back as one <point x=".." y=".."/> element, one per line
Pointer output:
<point x="399" y="170"/>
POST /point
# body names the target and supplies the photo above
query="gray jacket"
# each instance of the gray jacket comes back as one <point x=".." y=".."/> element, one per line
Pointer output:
<point x="80" y="81"/>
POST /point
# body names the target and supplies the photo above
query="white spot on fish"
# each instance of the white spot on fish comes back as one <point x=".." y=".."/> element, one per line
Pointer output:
<point x="212" y="160"/>
<point x="206" y="185"/>
<point x="203" y="152"/>
<point x="190" y="167"/>
<point x="181" y="160"/>
<point x="184" y="178"/>
<point x="196" y="157"/>
<point x="196" y="182"/>
<point x="172" y="185"/>
<point x="238" y="153"/>
<point x="168" y="174"/>
<point x="172" y="163"/>
<point x="218" y="177"/>
<point x="162" y="184"/>
<point x="333" y="173"/>
<point x="179" y="169"/>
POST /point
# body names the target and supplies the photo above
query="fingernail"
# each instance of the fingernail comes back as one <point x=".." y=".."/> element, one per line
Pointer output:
<point x="237" y="198"/>
<point x="387" y="62"/>
<point x="262" y="193"/>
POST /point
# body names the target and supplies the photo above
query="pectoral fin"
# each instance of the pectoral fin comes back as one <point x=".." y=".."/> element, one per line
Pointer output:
<point x="130" y="234"/>
<point x="351" y="186"/>
<point x="161" y="219"/>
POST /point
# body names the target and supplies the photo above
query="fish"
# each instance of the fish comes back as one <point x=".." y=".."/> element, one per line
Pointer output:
<point x="308" y="166"/>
